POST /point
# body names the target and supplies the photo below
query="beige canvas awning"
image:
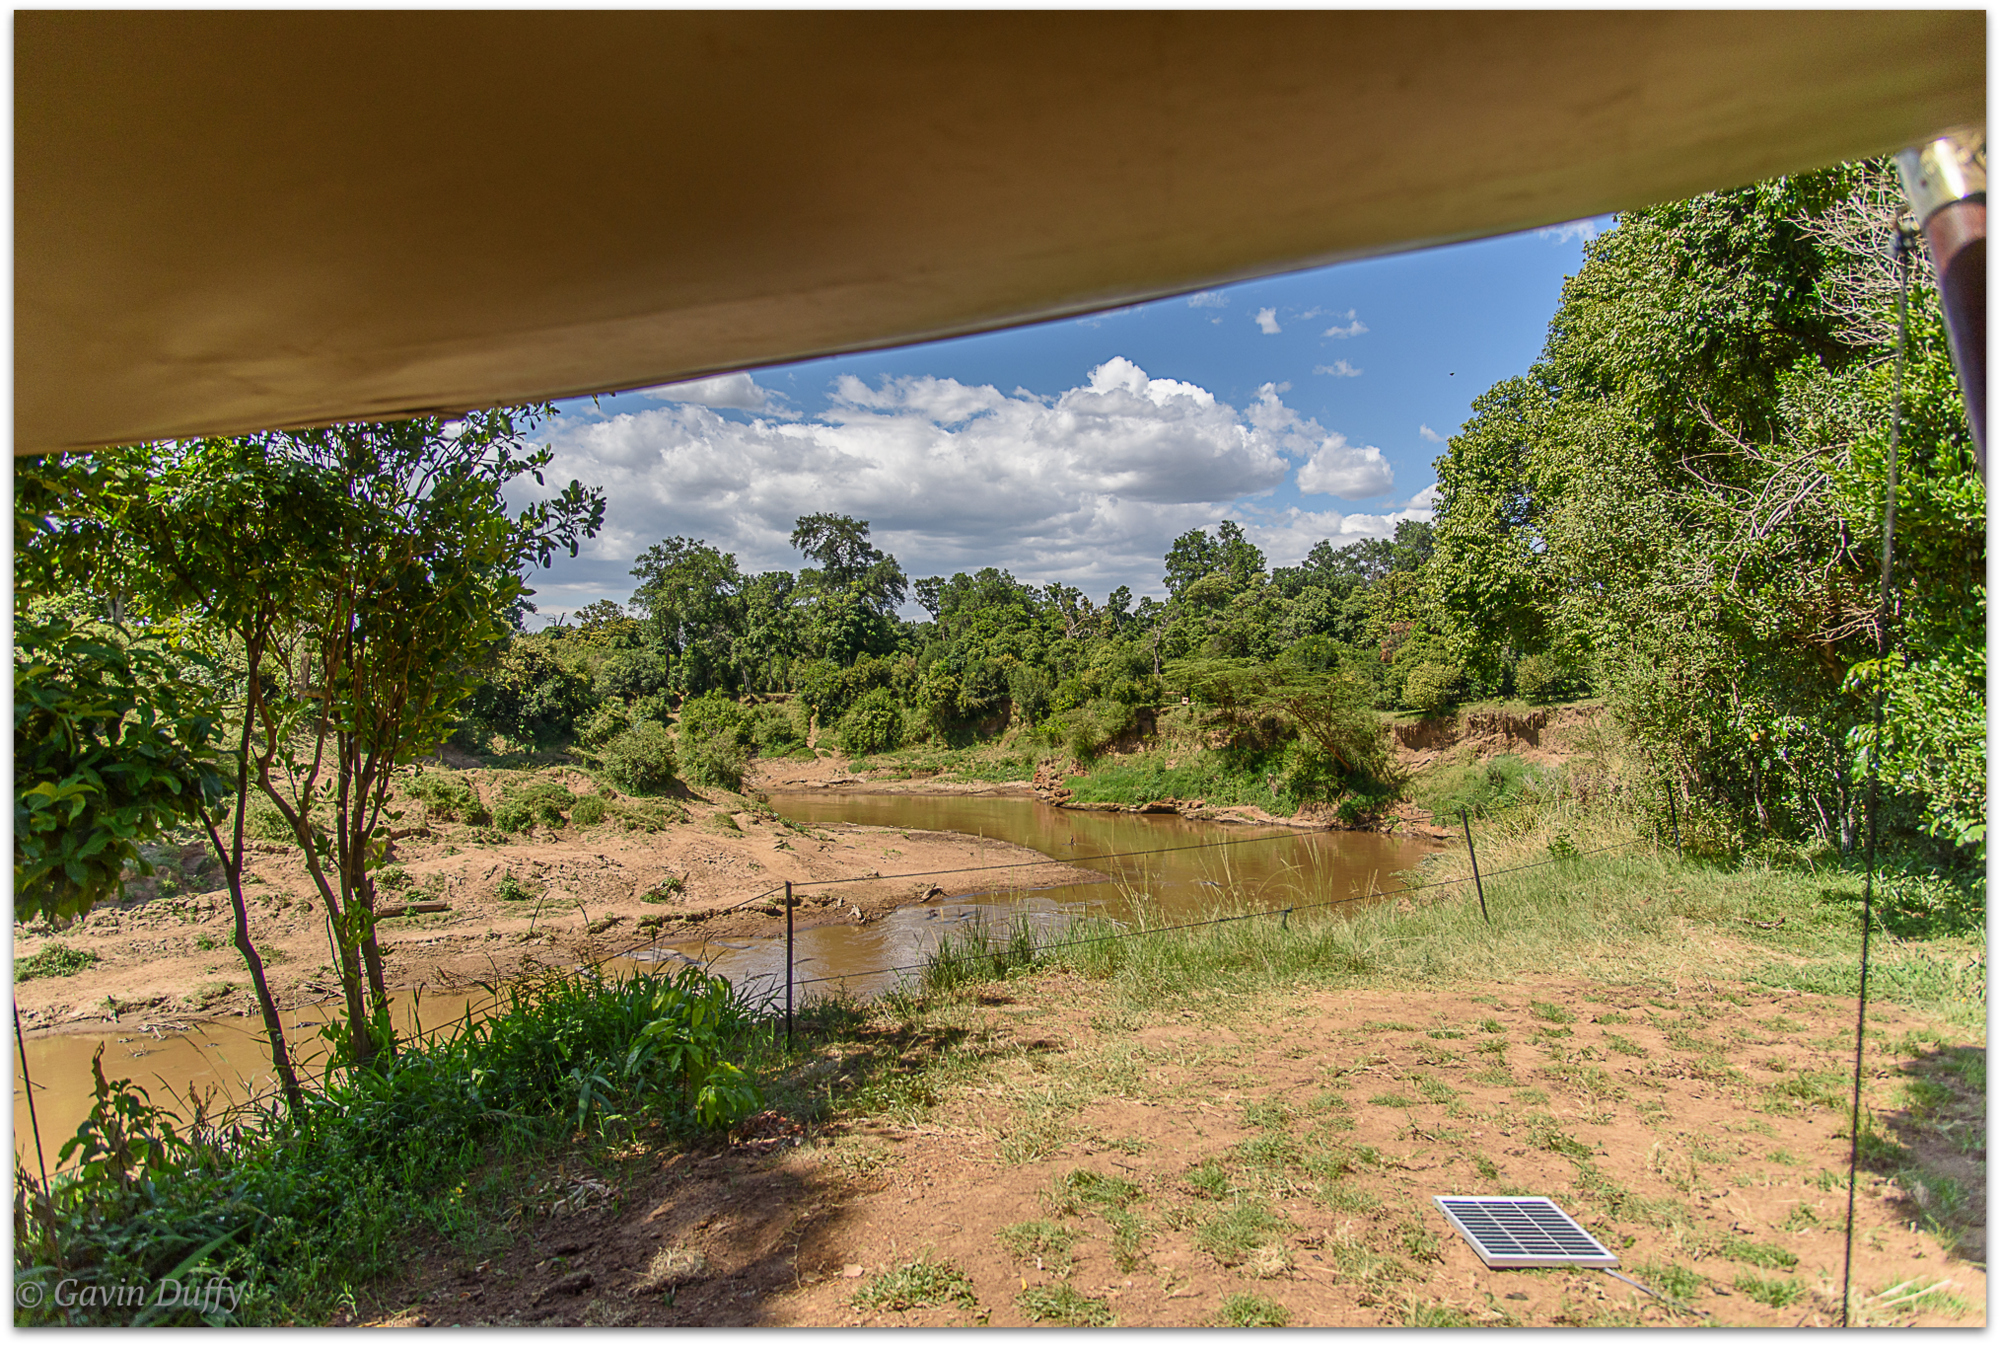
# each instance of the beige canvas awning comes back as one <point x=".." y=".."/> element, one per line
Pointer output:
<point x="228" y="221"/>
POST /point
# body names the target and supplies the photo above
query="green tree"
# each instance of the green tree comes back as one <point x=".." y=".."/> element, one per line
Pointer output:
<point x="378" y="666"/>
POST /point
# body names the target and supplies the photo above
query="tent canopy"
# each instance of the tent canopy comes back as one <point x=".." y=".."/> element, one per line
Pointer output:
<point x="231" y="220"/>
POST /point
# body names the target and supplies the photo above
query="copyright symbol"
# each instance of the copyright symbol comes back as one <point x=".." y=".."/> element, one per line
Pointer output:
<point x="28" y="1295"/>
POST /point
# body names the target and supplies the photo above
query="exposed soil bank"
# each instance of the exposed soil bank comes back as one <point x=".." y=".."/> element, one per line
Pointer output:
<point x="165" y="961"/>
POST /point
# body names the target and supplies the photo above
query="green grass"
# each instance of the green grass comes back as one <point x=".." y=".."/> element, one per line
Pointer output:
<point x="1062" y="1305"/>
<point x="1238" y="1233"/>
<point x="923" y="1283"/>
<point x="1047" y="1244"/>
<point x="1771" y="1293"/>
<point x="301" y="1212"/>
<point x="55" y="959"/>
<point x="1243" y="1311"/>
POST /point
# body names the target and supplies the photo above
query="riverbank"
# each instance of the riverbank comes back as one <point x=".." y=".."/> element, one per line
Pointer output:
<point x="511" y="903"/>
<point x="1243" y="1125"/>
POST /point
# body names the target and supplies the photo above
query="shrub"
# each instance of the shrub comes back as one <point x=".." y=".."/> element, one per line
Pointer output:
<point x="641" y="759"/>
<point x="266" y="823"/>
<point x="715" y="740"/>
<point x="538" y="801"/>
<point x="775" y="730"/>
<point x="874" y="724"/>
<point x="1031" y="691"/>
<point x="1541" y="678"/>
<point x="1090" y="728"/>
<point x="1431" y="688"/>
<point x="610" y="720"/>
<point x="56" y="959"/>
<point x="1481" y="788"/>
<point x="631" y="674"/>
<point x="588" y="812"/>
<point x="448" y="799"/>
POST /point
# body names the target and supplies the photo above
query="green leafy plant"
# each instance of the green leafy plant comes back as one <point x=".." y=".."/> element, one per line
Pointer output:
<point x="640" y="760"/>
<point x="1062" y="1305"/>
<point x="923" y="1283"/>
<point x="55" y="959"/>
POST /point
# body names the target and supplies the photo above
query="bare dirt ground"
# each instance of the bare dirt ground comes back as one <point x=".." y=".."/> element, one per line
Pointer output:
<point x="168" y="959"/>
<point x="1275" y="1161"/>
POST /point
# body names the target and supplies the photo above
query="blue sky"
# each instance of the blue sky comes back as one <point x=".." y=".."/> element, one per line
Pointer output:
<point x="1304" y="407"/>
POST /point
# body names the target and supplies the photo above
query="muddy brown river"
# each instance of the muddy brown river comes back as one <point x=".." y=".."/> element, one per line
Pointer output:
<point x="1191" y="870"/>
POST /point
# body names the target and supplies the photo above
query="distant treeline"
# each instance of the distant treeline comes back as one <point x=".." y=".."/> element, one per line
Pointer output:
<point x="1676" y="509"/>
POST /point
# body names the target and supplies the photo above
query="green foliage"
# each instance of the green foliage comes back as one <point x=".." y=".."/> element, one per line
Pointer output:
<point x="1241" y="1311"/>
<point x="1685" y="494"/>
<point x="640" y="760"/>
<point x="610" y="719"/>
<point x="923" y="1283"/>
<point x="538" y="802"/>
<point x="1432" y="688"/>
<point x="715" y="740"/>
<point x="1482" y="788"/>
<point x="531" y="694"/>
<point x="297" y="1210"/>
<point x="588" y="812"/>
<point x="55" y="959"/>
<point x="445" y="797"/>
<point x="1542" y="678"/>
<point x="873" y="724"/>
<point x="1062" y="1305"/>
<point x="110" y="746"/>
<point x="511" y="889"/>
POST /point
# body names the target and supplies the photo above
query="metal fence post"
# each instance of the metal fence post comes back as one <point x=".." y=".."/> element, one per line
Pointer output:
<point x="1674" y="818"/>
<point x="1466" y="819"/>
<point x="788" y="964"/>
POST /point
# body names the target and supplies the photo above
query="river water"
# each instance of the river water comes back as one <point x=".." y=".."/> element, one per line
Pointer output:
<point x="1170" y="868"/>
<point x="1190" y="871"/>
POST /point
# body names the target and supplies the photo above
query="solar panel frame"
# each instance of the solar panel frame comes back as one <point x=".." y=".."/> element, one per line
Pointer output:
<point x="1518" y="1231"/>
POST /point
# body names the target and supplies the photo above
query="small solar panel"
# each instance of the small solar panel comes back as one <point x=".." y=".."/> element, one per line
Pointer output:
<point x="1510" y="1231"/>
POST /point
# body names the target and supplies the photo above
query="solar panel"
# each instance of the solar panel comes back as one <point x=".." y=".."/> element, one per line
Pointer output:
<point x="1510" y="1231"/>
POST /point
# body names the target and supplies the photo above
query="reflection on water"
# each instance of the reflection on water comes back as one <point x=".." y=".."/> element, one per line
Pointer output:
<point x="1181" y="871"/>
<point x="1206" y="869"/>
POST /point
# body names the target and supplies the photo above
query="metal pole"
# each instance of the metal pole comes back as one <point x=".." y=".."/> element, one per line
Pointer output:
<point x="789" y="965"/>
<point x="1945" y="181"/>
<point x="28" y="1089"/>
<point x="1480" y="887"/>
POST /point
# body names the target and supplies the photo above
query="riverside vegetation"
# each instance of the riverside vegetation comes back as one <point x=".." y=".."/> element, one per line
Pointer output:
<point x="1675" y="514"/>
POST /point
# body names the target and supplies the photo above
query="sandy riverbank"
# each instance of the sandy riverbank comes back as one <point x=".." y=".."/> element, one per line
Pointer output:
<point x="168" y="958"/>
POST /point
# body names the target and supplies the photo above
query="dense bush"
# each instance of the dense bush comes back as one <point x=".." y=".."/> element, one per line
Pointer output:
<point x="873" y="724"/>
<point x="776" y="731"/>
<point x="1031" y="690"/>
<point x="629" y="674"/>
<point x="540" y="802"/>
<point x="641" y="759"/>
<point x="1541" y="678"/>
<point x="607" y="722"/>
<point x="1432" y="688"/>
<point x="715" y="740"/>
<point x="530" y="695"/>
<point x="588" y="812"/>
<point x="447" y="799"/>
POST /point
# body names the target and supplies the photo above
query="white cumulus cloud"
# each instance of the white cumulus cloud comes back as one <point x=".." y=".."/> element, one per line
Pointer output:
<point x="1267" y="321"/>
<point x="1208" y="299"/>
<point x="1089" y="486"/>
<point x="1351" y="471"/>
<point x="1355" y="327"/>
<point x="737" y="392"/>
<point x="1427" y="433"/>
<point x="1339" y="369"/>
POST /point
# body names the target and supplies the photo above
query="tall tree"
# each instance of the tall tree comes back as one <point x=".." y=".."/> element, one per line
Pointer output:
<point x="377" y="666"/>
